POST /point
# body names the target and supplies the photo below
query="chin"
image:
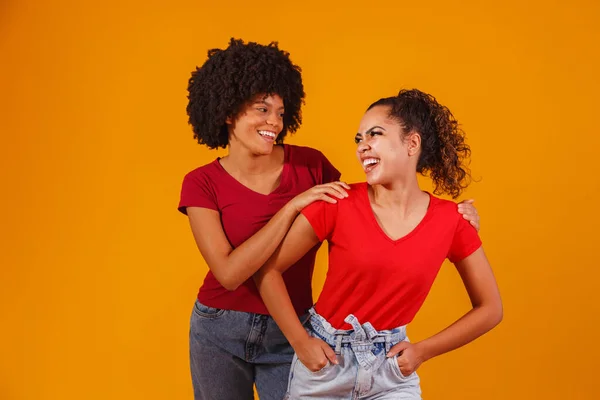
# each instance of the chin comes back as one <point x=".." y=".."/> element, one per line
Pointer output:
<point x="377" y="179"/>
<point x="373" y="180"/>
<point x="263" y="150"/>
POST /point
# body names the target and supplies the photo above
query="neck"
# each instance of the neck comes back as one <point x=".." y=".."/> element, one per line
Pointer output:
<point x="241" y="159"/>
<point x="401" y="195"/>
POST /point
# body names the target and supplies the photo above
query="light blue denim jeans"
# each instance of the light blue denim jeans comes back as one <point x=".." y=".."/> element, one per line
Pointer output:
<point x="230" y="351"/>
<point x="363" y="372"/>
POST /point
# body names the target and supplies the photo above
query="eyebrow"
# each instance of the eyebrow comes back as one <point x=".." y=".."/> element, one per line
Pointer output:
<point x="370" y="130"/>
<point x="267" y="104"/>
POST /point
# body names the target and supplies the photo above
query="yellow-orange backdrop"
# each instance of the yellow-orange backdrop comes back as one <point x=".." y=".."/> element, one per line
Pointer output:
<point x="99" y="271"/>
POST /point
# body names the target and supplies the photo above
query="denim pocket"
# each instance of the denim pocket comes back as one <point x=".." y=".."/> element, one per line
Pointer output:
<point x="319" y="372"/>
<point x="396" y="368"/>
<point x="207" y="312"/>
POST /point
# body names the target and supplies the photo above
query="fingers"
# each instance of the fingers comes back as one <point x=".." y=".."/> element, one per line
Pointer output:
<point x="328" y="199"/>
<point x="469" y="212"/>
<point x="343" y="184"/>
<point x="473" y="219"/>
<point x="329" y="192"/>
<point x="398" y="348"/>
<point x="331" y="189"/>
<point x="335" y="191"/>
<point x="339" y="187"/>
<point x="329" y="353"/>
<point x="467" y="207"/>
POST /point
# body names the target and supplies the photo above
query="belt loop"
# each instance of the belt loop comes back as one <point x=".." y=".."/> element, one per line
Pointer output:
<point x="338" y="344"/>
<point x="387" y="343"/>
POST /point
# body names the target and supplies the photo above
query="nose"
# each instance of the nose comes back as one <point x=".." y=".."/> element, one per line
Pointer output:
<point x="274" y="119"/>
<point x="362" y="147"/>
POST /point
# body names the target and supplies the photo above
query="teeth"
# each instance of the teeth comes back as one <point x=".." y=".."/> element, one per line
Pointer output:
<point x="370" y="161"/>
<point x="267" y="133"/>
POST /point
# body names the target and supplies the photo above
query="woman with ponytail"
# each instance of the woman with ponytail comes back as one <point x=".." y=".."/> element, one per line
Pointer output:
<point x="387" y="242"/>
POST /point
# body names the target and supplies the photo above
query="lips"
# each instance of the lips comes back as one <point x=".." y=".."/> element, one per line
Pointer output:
<point x="268" y="135"/>
<point x="369" y="163"/>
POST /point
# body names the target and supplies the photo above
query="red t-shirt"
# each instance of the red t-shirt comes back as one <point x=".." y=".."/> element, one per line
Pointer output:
<point x="244" y="212"/>
<point x="380" y="280"/>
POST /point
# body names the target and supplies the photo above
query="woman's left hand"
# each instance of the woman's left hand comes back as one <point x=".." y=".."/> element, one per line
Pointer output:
<point x="469" y="212"/>
<point x="409" y="357"/>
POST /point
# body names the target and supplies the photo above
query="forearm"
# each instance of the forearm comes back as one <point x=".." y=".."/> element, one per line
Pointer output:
<point x="247" y="258"/>
<point x="277" y="300"/>
<point x="472" y="325"/>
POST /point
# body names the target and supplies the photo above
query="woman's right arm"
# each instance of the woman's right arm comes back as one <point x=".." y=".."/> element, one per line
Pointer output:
<point x="232" y="267"/>
<point x="312" y="352"/>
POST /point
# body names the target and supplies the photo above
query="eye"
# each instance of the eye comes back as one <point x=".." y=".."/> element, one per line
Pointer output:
<point x="262" y="109"/>
<point x="373" y="133"/>
<point x="357" y="139"/>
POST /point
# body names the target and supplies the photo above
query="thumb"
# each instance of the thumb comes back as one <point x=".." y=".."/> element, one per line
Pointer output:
<point x="329" y="353"/>
<point x="398" y="348"/>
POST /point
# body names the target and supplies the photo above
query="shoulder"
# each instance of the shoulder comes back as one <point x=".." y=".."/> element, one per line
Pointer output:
<point x="206" y="178"/>
<point x="308" y="154"/>
<point x="444" y="208"/>
<point x="205" y="171"/>
<point x="357" y="199"/>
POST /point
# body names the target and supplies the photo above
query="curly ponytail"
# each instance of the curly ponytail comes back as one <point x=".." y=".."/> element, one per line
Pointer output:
<point x="443" y="148"/>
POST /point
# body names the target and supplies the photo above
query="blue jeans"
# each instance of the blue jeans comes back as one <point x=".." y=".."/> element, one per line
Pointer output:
<point x="364" y="372"/>
<point x="230" y="351"/>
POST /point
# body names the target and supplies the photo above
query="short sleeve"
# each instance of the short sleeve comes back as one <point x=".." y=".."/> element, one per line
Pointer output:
<point x="322" y="216"/>
<point x="197" y="191"/>
<point x="330" y="173"/>
<point x="465" y="241"/>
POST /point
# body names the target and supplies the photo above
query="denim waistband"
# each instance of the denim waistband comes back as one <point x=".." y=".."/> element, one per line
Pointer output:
<point x="361" y="337"/>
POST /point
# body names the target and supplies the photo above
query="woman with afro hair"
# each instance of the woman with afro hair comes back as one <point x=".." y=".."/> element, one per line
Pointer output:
<point x="247" y="98"/>
<point x="387" y="242"/>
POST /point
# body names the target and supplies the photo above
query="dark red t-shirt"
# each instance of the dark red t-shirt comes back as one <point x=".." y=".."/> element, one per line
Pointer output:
<point x="244" y="212"/>
<point x="380" y="280"/>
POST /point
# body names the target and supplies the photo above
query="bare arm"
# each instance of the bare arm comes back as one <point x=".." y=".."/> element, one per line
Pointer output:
<point x="269" y="280"/>
<point x="299" y="240"/>
<point x="232" y="267"/>
<point x="486" y="313"/>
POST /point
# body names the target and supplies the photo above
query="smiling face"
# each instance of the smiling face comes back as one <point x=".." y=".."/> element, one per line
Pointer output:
<point x="386" y="152"/>
<point x="257" y="125"/>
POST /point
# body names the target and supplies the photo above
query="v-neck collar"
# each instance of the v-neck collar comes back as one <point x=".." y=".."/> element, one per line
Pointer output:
<point x="282" y="181"/>
<point x="373" y="218"/>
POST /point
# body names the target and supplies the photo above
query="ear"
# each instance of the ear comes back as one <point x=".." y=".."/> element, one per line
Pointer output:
<point x="229" y="120"/>
<point x="413" y="142"/>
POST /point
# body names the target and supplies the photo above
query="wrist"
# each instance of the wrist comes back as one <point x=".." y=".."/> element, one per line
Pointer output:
<point x="298" y="341"/>
<point x="291" y="208"/>
<point x="423" y="351"/>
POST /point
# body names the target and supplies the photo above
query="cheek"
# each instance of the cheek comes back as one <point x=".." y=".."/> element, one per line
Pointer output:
<point x="248" y="125"/>
<point x="394" y="160"/>
<point x="393" y="152"/>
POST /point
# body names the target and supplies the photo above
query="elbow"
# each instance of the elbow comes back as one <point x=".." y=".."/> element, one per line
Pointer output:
<point x="495" y="315"/>
<point x="492" y="314"/>
<point x="499" y="315"/>
<point x="229" y="282"/>
<point x="232" y="287"/>
<point x="226" y="275"/>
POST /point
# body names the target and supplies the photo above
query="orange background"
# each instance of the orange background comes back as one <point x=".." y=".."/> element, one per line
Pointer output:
<point x="99" y="271"/>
